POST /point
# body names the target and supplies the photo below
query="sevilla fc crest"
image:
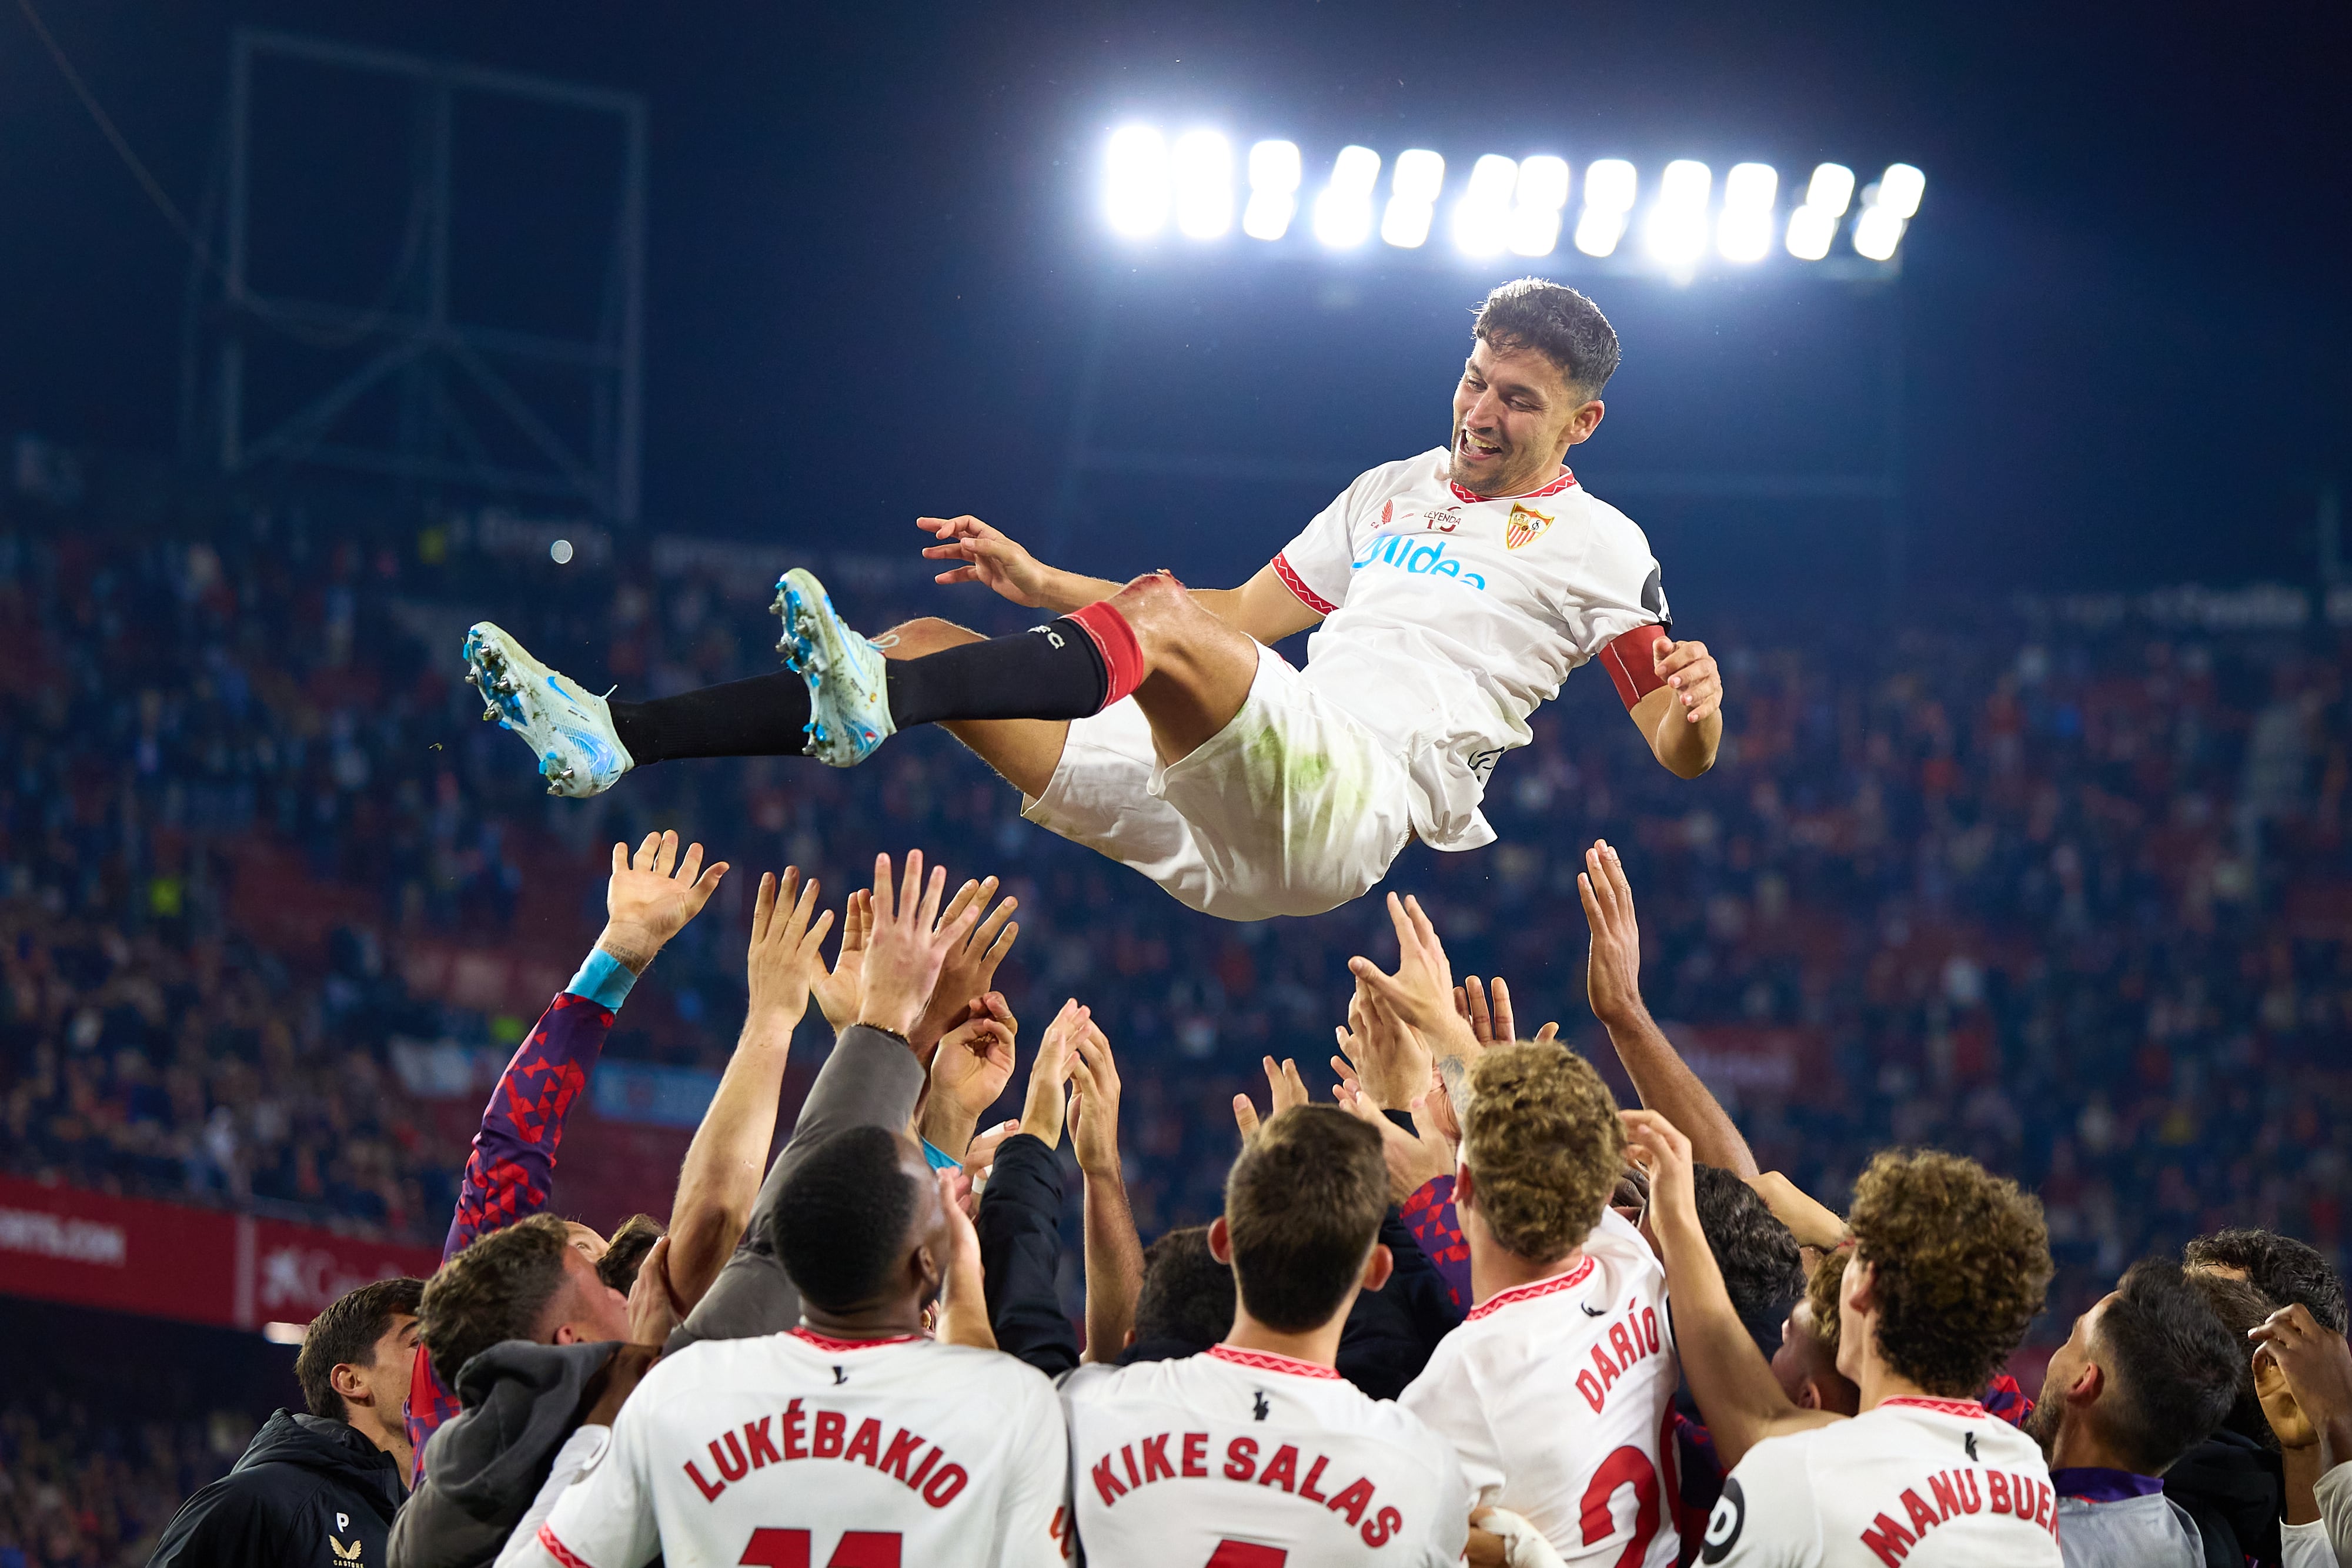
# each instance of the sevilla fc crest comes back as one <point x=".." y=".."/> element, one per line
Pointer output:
<point x="1526" y="525"/>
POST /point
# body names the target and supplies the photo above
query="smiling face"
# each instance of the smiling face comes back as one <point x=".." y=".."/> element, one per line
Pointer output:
<point x="1515" y="417"/>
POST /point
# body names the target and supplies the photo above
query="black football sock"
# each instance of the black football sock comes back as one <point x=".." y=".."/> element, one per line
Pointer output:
<point x="766" y="715"/>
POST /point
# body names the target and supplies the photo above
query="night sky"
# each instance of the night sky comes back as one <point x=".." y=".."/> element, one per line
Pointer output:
<point x="874" y="253"/>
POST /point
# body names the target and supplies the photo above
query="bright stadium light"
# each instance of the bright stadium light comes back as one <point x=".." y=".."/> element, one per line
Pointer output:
<point x="1274" y="173"/>
<point x="1678" y="221"/>
<point x="1135" y="186"/>
<point x="1609" y="190"/>
<point x="1810" y="229"/>
<point x="1482" y="218"/>
<point x="1743" y="233"/>
<point x="1830" y="188"/>
<point x="1413" y="185"/>
<point x="1876" y="232"/>
<point x="1542" y="191"/>
<point x="1343" y="213"/>
<point x="1203" y="165"/>
<point x="1899" y="190"/>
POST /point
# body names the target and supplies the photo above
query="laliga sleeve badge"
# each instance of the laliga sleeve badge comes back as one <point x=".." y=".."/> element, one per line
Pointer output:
<point x="1724" y="1525"/>
<point x="597" y="1449"/>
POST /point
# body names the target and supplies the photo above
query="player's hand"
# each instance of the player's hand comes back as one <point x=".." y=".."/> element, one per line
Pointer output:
<point x="1613" y="967"/>
<point x="1414" y="1159"/>
<point x="1691" y="672"/>
<point x="981" y="1154"/>
<point x="1389" y="1059"/>
<point x="1285" y="1088"/>
<point x="1093" y="1105"/>
<point x="2315" y="1366"/>
<point x="1493" y="1025"/>
<point x="1659" y="1151"/>
<point x="645" y="905"/>
<point x="653" y="1307"/>
<point x="838" y="991"/>
<point x="975" y="1062"/>
<point x="987" y="556"/>
<point x="1813" y="1223"/>
<point x="1421" y="993"/>
<point x="972" y="963"/>
<point x="908" y="946"/>
<point x="1043" y="1113"/>
<point x="783" y="958"/>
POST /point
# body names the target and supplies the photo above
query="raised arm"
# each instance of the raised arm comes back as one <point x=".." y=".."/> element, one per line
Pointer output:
<point x="1020" y="1220"/>
<point x="1613" y="983"/>
<point x="1681" y="716"/>
<point x="1114" y="1251"/>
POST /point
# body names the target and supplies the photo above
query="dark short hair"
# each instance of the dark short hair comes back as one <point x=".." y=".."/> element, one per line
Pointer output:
<point x="2287" y="1270"/>
<point x="1303" y="1207"/>
<point x="626" y="1252"/>
<point x="2174" y="1365"/>
<point x="1963" y="1265"/>
<point x="1556" y="322"/>
<point x="842" y="1221"/>
<point x="2240" y="1306"/>
<point x="494" y="1290"/>
<point x="1187" y="1295"/>
<point x="345" y="1334"/>
<point x="1758" y="1254"/>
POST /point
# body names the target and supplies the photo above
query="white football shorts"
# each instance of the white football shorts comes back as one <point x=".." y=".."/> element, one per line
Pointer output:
<point x="1292" y="808"/>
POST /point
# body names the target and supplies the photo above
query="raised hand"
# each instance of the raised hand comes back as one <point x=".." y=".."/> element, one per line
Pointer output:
<point x="973" y="1066"/>
<point x="837" y="992"/>
<point x="645" y="905"/>
<point x="908" y="946"/>
<point x="1660" y="1152"/>
<point x="1690" y="671"/>
<point x="1414" y="1159"/>
<point x="1094" y="1103"/>
<point x="1389" y="1059"/>
<point x="1421" y="993"/>
<point x="1285" y="1089"/>
<point x="2315" y="1366"/>
<point x="783" y="958"/>
<point x="1493" y="1025"/>
<point x="987" y="556"/>
<point x="653" y="1309"/>
<point x="972" y="963"/>
<point x="1043" y="1113"/>
<point x="1612" y="971"/>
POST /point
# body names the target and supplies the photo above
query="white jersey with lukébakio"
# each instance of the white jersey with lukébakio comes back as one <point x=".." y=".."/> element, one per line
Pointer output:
<point x="1924" y="1483"/>
<point x="1555" y="1394"/>
<point x="796" y="1449"/>
<point x="1239" y="1459"/>
<point x="1449" y="617"/>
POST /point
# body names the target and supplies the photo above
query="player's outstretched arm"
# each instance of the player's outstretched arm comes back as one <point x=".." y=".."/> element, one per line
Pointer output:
<point x="1612" y="983"/>
<point x="1114" y="1253"/>
<point x="721" y="1177"/>
<point x="1682" y="720"/>
<point x="1736" y="1392"/>
<point x="968" y="1069"/>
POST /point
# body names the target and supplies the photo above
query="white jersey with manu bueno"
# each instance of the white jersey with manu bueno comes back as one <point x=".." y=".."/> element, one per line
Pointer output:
<point x="1922" y="1483"/>
<point x="797" y="1451"/>
<point x="1234" y="1458"/>
<point x="1556" y="1394"/>
<point x="1449" y="617"/>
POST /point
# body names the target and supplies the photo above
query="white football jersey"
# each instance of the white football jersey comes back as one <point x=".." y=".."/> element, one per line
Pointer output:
<point x="1234" y="1458"/>
<point x="1449" y="617"/>
<point x="1926" y="1483"/>
<point x="1555" y="1394"/>
<point x="797" y="1451"/>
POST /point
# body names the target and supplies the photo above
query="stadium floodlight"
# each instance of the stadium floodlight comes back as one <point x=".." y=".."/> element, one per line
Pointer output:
<point x="1743" y="233"/>
<point x="1830" y="188"/>
<point x="1899" y="190"/>
<point x="1413" y="185"/>
<point x="1877" y="232"/>
<point x="1609" y="191"/>
<point x="1202" y="164"/>
<point x="1677" y="229"/>
<point x="1343" y="213"/>
<point x="1811" y="230"/>
<point x="1482" y="218"/>
<point x="1136" y="187"/>
<point x="1541" y="193"/>
<point x="1274" y="173"/>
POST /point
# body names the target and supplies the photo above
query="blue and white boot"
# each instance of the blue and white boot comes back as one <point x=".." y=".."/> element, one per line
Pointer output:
<point x="849" y="700"/>
<point x="570" y="729"/>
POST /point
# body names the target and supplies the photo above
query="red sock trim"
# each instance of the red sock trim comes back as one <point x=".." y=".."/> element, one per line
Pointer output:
<point x="1633" y="663"/>
<point x="1114" y="639"/>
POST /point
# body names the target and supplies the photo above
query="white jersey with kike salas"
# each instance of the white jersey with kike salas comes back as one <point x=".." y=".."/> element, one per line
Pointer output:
<point x="1234" y="1458"/>
<point x="1922" y="1483"/>
<point x="797" y="1451"/>
<point x="1450" y="616"/>
<point x="1556" y="1396"/>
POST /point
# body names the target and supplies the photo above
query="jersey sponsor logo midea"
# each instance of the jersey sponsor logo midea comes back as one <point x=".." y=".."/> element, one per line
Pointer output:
<point x="1403" y="553"/>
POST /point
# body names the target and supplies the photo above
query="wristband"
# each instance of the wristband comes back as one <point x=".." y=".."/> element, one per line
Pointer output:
<point x="603" y="979"/>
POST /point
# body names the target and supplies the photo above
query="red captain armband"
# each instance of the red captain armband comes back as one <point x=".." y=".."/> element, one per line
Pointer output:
<point x="1114" y="639"/>
<point x="1632" y="661"/>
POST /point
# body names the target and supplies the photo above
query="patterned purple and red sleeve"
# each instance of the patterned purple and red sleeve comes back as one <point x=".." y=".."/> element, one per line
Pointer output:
<point x="1429" y="1215"/>
<point x="2005" y="1399"/>
<point x="512" y="1171"/>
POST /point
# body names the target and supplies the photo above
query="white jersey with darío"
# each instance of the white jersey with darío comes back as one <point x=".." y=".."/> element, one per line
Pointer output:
<point x="1556" y="1392"/>
<point x="796" y="1449"/>
<point x="1239" y="1459"/>
<point x="1923" y="1483"/>
<point x="1449" y="617"/>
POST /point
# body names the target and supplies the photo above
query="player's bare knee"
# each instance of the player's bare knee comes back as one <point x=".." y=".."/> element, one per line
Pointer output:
<point x="924" y="634"/>
<point x="1154" y="602"/>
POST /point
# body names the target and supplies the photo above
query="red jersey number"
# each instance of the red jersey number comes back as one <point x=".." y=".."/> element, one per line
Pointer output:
<point x="1625" y="1466"/>
<point x="1245" y="1555"/>
<point x="789" y="1549"/>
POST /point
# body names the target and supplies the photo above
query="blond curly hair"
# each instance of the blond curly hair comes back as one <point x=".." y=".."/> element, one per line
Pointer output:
<point x="1543" y="1145"/>
<point x="1963" y="1263"/>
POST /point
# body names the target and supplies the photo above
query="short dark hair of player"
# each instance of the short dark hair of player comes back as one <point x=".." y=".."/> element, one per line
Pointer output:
<point x="345" y="1334"/>
<point x="1302" y="1208"/>
<point x="842" y="1221"/>
<point x="1543" y="1145"/>
<point x="2240" y="1307"/>
<point x="2279" y="1266"/>
<point x="627" y="1252"/>
<point x="2175" y="1367"/>
<point x="1963" y="1265"/>
<point x="1757" y="1253"/>
<point x="494" y="1290"/>
<point x="1556" y="322"/>
<point x="1187" y="1296"/>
